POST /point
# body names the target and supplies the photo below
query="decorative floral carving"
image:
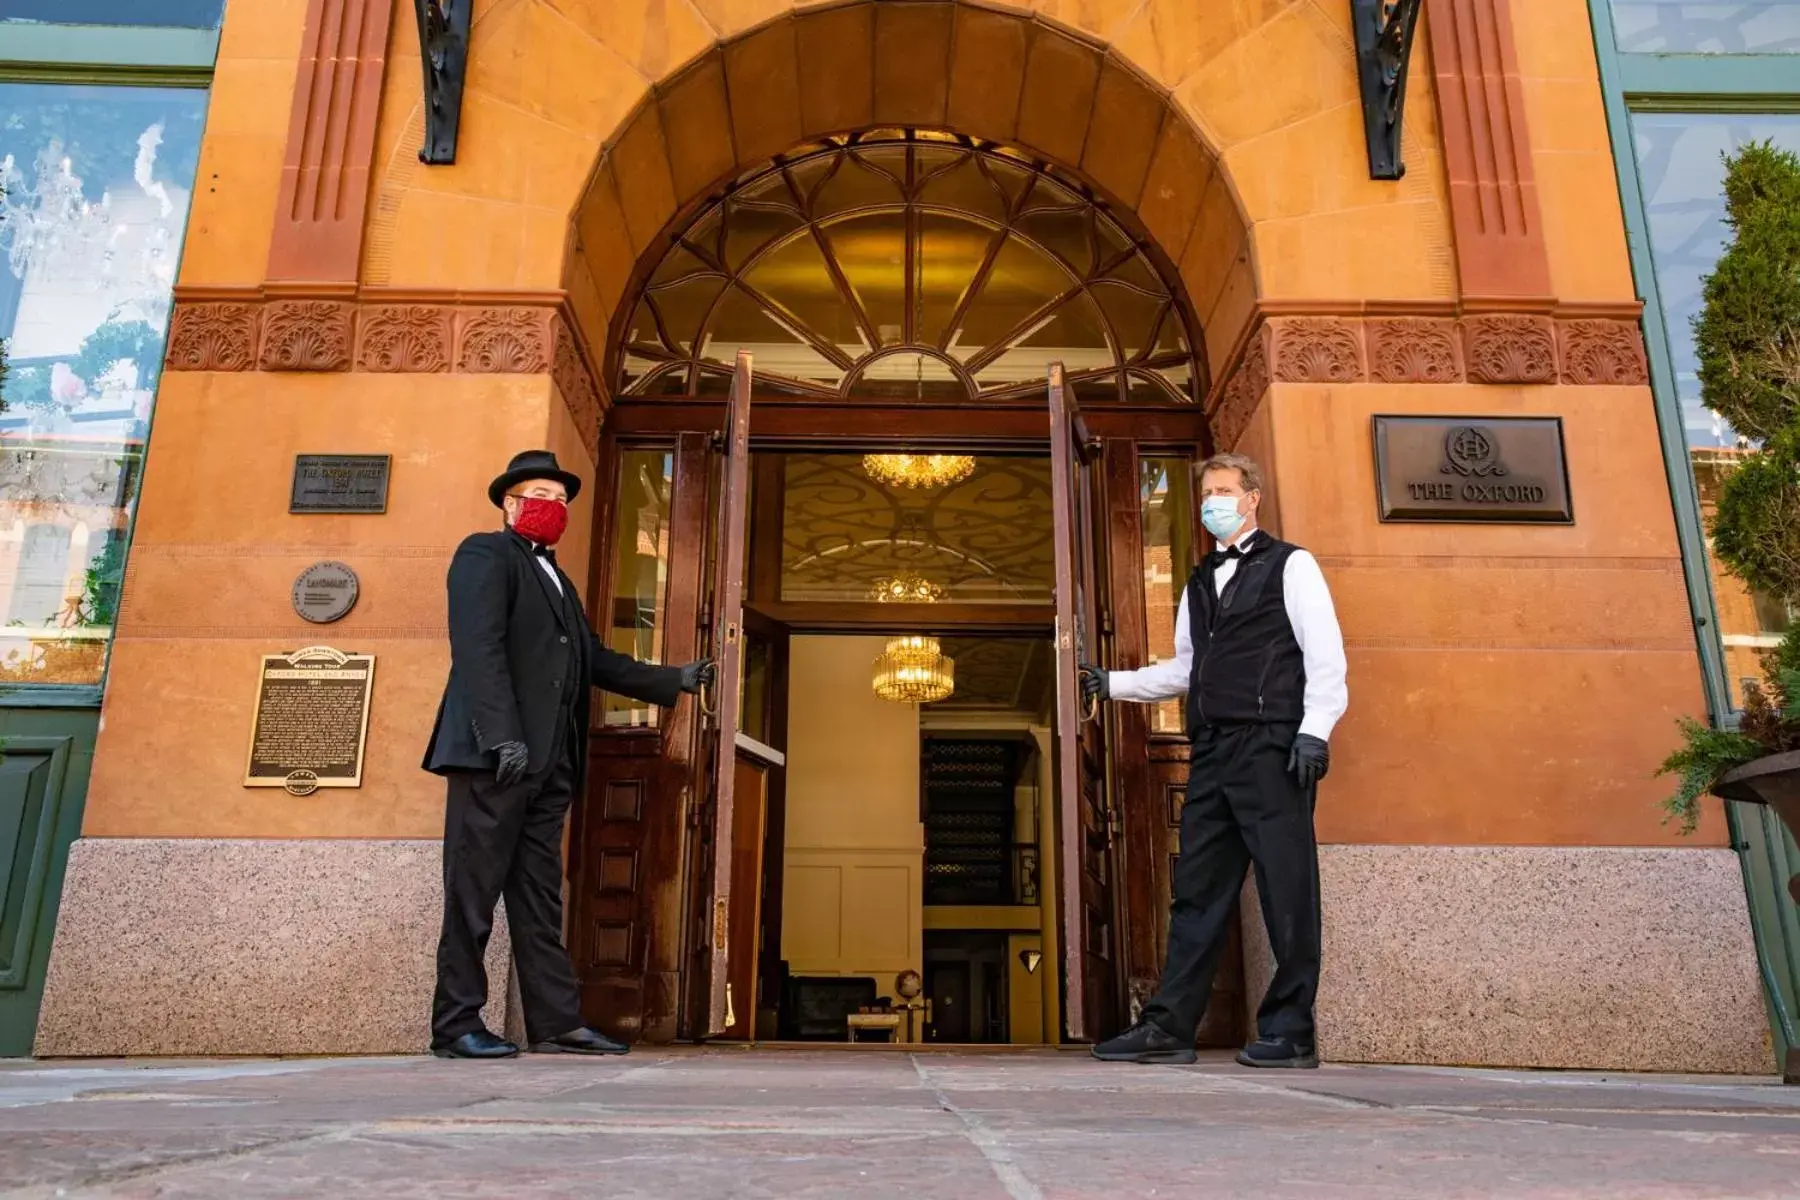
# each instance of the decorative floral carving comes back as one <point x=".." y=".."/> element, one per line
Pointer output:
<point x="213" y="337"/>
<point x="576" y="383"/>
<point x="1603" y="352"/>
<point x="511" y="341"/>
<point x="1413" y="350"/>
<point x="1243" y="393"/>
<point x="1317" y="350"/>
<point x="306" y="335"/>
<point x="404" y="337"/>
<point x="1503" y="349"/>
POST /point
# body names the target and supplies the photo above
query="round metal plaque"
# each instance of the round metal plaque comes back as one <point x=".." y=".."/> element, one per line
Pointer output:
<point x="324" y="592"/>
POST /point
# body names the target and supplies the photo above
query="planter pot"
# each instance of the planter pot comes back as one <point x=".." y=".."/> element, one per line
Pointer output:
<point x="1773" y="780"/>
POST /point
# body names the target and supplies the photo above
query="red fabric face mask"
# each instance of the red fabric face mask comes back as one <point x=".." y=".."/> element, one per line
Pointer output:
<point x="541" y="520"/>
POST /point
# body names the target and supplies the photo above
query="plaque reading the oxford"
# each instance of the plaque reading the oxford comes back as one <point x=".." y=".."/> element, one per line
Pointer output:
<point x="312" y="720"/>
<point x="325" y="592"/>
<point x="1472" y="469"/>
<point x="340" y="483"/>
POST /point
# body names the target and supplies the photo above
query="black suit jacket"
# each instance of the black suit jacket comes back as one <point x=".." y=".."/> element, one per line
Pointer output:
<point x="516" y="650"/>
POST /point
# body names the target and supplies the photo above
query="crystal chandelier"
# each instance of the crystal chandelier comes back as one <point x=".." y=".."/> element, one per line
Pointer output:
<point x="919" y="470"/>
<point x="906" y="588"/>
<point x="913" y="670"/>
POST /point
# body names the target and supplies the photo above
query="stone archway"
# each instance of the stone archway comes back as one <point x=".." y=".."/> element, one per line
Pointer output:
<point x="990" y="76"/>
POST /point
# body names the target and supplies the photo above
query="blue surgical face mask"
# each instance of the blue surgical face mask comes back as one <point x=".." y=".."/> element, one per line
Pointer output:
<point x="1221" y="517"/>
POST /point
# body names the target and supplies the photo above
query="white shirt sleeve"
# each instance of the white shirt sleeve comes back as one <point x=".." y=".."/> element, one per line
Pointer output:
<point x="1163" y="680"/>
<point x="1315" y="623"/>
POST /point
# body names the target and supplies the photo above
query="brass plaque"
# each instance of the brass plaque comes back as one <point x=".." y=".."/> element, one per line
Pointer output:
<point x="325" y="592"/>
<point x="312" y="720"/>
<point x="340" y="483"/>
<point x="1472" y="469"/>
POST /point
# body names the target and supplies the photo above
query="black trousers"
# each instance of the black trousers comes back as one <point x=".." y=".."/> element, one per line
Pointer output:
<point x="1243" y="808"/>
<point x="506" y="841"/>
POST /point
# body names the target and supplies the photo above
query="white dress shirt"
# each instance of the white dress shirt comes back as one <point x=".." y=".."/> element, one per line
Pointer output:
<point x="550" y="570"/>
<point x="1314" y="619"/>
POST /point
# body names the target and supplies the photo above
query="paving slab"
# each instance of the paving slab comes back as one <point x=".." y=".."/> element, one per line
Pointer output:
<point x="703" y="1123"/>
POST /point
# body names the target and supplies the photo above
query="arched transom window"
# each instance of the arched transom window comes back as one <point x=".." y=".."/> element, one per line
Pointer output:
<point x="909" y="265"/>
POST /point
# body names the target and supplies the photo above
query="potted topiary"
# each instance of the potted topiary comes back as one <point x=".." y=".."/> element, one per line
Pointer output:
<point x="1748" y="340"/>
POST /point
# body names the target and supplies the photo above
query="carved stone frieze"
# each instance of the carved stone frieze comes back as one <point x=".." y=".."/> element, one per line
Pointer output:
<point x="1413" y="350"/>
<point x="505" y="341"/>
<point x="306" y="335"/>
<point x="1317" y="350"/>
<point x="1603" y="352"/>
<point x="1242" y="394"/>
<point x="213" y="337"/>
<point x="576" y="383"/>
<point x="405" y="337"/>
<point x="1509" y="349"/>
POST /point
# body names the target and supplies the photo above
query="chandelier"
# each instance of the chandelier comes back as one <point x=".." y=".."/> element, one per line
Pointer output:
<point x="906" y="588"/>
<point x="919" y="470"/>
<point x="913" y="670"/>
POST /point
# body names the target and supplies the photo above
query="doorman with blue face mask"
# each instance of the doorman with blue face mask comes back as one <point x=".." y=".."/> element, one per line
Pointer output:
<point x="1260" y="656"/>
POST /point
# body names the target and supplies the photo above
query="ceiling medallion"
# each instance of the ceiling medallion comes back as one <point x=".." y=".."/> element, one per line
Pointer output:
<point x="913" y="670"/>
<point x="919" y="470"/>
<point x="906" y="588"/>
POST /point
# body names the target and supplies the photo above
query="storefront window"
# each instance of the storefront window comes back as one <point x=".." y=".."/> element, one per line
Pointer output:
<point x="180" y="14"/>
<point x="1165" y="496"/>
<point x="1706" y="27"/>
<point x="640" y="572"/>
<point x="1681" y="168"/>
<point x="96" y="183"/>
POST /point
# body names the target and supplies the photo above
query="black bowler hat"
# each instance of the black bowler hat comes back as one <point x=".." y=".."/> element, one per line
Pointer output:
<point x="528" y="465"/>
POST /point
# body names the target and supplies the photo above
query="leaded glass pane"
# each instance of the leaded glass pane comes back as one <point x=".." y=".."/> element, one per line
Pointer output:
<point x="987" y="262"/>
<point x="871" y="250"/>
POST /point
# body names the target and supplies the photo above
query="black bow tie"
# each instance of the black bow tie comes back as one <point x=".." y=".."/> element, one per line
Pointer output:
<point x="544" y="552"/>
<point x="1218" y="557"/>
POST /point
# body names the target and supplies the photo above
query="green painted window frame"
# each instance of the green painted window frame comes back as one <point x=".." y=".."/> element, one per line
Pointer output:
<point x="115" y="56"/>
<point x="1702" y="83"/>
<point x="1696" y="83"/>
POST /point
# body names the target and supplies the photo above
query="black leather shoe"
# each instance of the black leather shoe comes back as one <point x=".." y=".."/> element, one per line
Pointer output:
<point x="1279" y="1052"/>
<point x="478" y="1044"/>
<point x="580" y="1040"/>
<point x="1146" y="1042"/>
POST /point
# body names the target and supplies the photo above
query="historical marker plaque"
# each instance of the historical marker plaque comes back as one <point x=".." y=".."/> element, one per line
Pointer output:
<point x="325" y="592"/>
<point x="1492" y="470"/>
<point x="340" y="483"/>
<point x="312" y="720"/>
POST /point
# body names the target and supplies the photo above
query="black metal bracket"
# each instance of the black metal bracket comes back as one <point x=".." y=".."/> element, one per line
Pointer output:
<point x="1384" y="37"/>
<point x="444" y="51"/>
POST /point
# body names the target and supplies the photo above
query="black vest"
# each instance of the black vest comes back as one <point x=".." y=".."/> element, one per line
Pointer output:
<point x="1247" y="668"/>
<point x="574" y="664"/>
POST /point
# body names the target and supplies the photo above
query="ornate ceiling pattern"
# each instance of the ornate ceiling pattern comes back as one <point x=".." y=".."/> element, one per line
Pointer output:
<point x="984" y="539"/>
<point x="909" y="265"/>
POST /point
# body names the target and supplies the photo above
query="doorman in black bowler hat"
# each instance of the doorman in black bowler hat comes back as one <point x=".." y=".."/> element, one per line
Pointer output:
<point x="1260" y="656"/>
<point x="511" y="739"/>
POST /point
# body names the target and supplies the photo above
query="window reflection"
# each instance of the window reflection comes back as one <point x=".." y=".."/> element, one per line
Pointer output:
<point x="96" y="184"/>
<point x="640" y="572"/>
<point x="1681" y="171"/>
<point x="1165" y="499"/>
<point x="1706" y="27"/>
<point x="184" y="14"/>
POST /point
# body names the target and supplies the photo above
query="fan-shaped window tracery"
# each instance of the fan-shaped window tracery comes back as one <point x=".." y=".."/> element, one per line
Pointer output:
<point x="909" y="265"/>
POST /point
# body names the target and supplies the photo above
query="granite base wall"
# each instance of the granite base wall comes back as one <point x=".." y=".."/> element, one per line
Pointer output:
<point x="204" y="946"/>
<point x="1600" y="958"/>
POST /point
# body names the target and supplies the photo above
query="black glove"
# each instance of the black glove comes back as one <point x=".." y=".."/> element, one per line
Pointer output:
<point x="696" y="675"/>
<point x="514" y="758"/>
<point x="1094" y="682"/>
<point x="1309" y="759"/>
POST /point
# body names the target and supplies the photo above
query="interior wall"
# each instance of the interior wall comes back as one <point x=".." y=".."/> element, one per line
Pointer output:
<point x="853" y="871"/>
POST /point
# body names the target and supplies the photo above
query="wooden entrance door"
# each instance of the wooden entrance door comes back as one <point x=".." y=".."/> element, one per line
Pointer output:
<point x="1084" y="811"/>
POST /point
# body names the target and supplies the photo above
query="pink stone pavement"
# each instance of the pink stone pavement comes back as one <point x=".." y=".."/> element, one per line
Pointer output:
<point x="698" y="1124"/>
